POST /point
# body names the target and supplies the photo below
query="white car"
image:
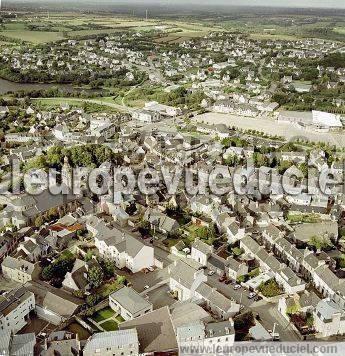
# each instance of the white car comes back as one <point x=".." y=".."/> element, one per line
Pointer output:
<point x="146" y="287"/>
<point x="237" y="286"/>
<point x="210" y="273"/>
<point x="251" y="295"/>
<point x="151" y="269"/>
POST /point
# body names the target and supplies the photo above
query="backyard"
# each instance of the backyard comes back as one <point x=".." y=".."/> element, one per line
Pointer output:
<point x="106" y="319"/>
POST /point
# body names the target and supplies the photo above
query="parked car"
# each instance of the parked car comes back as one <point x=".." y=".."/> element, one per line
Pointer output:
<point x="237" y="286"/>
<point x="151" y="269"/>
<point x="210" y="273"/>
<point x="222" y="278"/>
<point x="251" y="295"/>
<point x="227" y="281"/>
<point x="146" y="287"/>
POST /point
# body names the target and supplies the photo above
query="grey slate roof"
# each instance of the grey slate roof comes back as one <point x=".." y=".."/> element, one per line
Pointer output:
<point x="202" y="247"/>
<point x="129" y="299"/>
<point x="219" y="329"/>
<point x="18" y="264"/>
<point x="23" y="345"/>
<point x="155" y="331"/>
<point x="112" y="339"/>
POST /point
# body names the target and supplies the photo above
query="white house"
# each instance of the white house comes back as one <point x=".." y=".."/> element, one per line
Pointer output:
<point x="329" y="318"/>
<point x="123" y="249"/>
<point x="184" y="279"/>
<point x="129" y="304"/>
<point x="196" y="333"/>
<point x="113" y="343"/>
<point x="201" y="251"/>
<point x="289" y="281"/>
<point x="19" y="270"/>
<point x="146" y="116"/>
<point x="15" y="308"/>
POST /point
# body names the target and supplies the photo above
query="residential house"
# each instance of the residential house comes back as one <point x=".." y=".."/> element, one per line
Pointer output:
<point x="17" y="345"/>
<point x="15" y="309"/>
<point x="155" y="332"/>
<point x="113" y="343"/>
<point x="30" y="249"/>
<point x="329" y="318"/>
<point x="129" y="304"/>
<point x="161" y="221"/>
<point x="77" y="279"/>
<point x="216" y="302"/>
<point x="235" y="269"/>
<point x="19" y="270"/>
<point x="198" y="334"/>
<point x="147" y="116"/>
<point x="52" y="304"/>
<point x="61" y="343"/>
<point x="125" y="250"/>
<point x="184" y="278"/>
<point x="201" y="251"/>
<point x="289" y="281"/>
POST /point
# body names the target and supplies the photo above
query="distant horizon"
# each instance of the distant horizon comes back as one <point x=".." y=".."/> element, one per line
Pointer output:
<point x="330" y="4"/>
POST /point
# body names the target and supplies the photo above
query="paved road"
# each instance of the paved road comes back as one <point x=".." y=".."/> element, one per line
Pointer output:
<point x="240" y="296"/>
<point x="268" y="311"/>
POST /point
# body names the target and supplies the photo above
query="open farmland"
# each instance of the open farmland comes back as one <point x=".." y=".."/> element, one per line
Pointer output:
<point x="57" y="26"/>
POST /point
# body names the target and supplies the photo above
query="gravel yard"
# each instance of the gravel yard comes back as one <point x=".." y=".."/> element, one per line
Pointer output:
<point x="270" y="126"/>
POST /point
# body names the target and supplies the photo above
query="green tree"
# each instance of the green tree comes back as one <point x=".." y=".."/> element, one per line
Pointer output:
<point x="39" y="221"/>
<point x="108" y="268"/>
<point x="121" y="279"/>
<point x="47" y="273"/>
<point x="96" y="276"/>
<point x="92" y="299"/>
<point x="88" y="256"/>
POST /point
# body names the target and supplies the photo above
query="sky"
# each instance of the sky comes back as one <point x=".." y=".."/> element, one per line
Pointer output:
<point x="280" y="3"/>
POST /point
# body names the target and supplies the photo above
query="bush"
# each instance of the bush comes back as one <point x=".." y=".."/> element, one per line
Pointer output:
<point x="92" y="299"/>
<point x="270" y="288"/>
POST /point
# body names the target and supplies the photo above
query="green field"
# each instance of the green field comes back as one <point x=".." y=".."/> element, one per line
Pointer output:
<point x="67" y="25"/>
<point x="340" y="30"/>
<point x="104" y="104"/>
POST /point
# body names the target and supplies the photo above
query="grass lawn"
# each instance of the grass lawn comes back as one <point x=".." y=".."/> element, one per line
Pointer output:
<point x="109" y="325"/>
<point x="268" y="36"/>
<point x="303" y="218"/>
<point x="103" y="315"/>
<point x="120" y="319"/>
<point x="90" y="106"/>
<point x="35" y="37"/>
<point x="270" y="289"/>
<point x="108" y="288"/>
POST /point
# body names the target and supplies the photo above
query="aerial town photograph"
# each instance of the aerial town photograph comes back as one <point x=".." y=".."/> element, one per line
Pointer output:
<point x="172" y="177"/>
